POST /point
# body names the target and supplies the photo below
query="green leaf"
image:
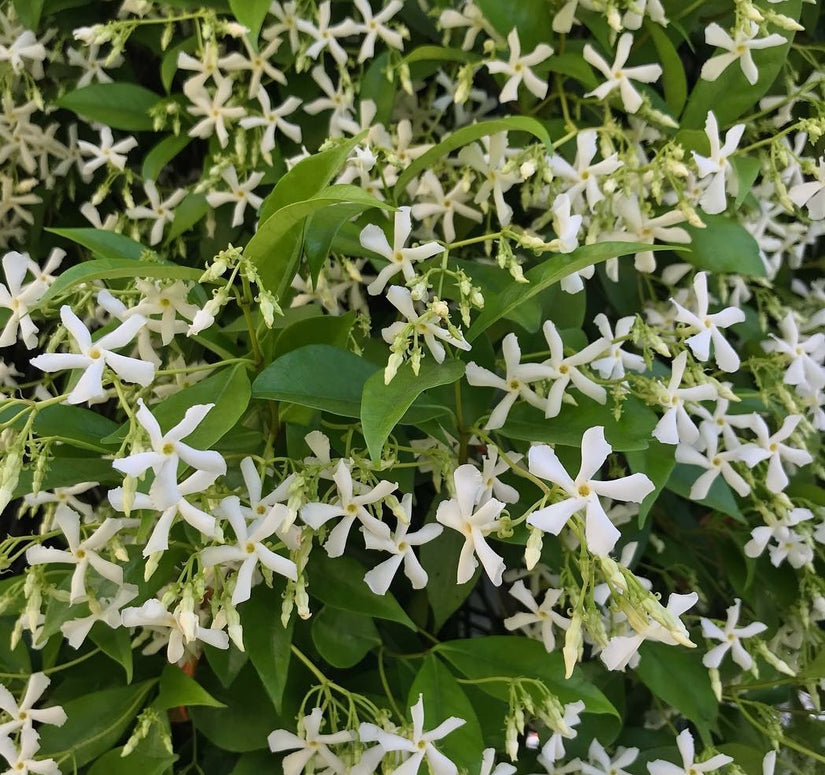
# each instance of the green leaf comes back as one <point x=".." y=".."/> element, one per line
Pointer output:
<point x="66" y="471"/>
<point x="381" y="90"/>
<point x="123" y="106"/>
<point x="320" y="329"/>
<point x="343" y="638"/>
<point x="467" y="135"/>
<point x="166" y="150"/>
<point x="517" y="656"/>
<point x="319" y="376"/>
<point x="719" y="498"/>
<point x="136" y="763"/>
<point x="14" y="660"/>
<point x="177" y="689"/>
<point x="29" y="12"/>
<point x="549" y="272"/>
<point x="192" y="208"/>
<point x="253" y="763"/>
<point x="116" y="644"/>
<point x="443" y="698"/>
<point x="657" y="462"/>
<point x="94" y="723"/>
<point x="438" y="54"/>
<point x="322" y="228"/>
<point x="114" y="269"/>
<point x="673" y="76"/>
<point x="339" y="583"/>
<point x="747" y="170"/>
<point x="73" y="425"/>
<point x="267" y="641"/>
<point x="730" y="94"/>
<point x="382" y="406"/>
<point x="272" y="248"/>
<point x="530" y="17"/>
<point x="169" y="63"/>
<point x="630" y="432"/>
<point x="250" y="13"/>
<point x="104" y="244"/>
<point x="724" y="246"/>
<point x="677" y="676"/>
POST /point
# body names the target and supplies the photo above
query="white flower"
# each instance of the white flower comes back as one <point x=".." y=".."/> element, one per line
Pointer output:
<point x="518" y="69"/>
<point x="399" y="545"/>
<point x="718" y="165"/>
<point x="64" y="495"/>
<point x="419" y="745"/>
<point x="181" y="627"/>
<point x="375" y="26"/>
<point x="214" y="110"/>
<point x="583" y="492"/>
<point x="95" y="356"/>
<point x="326" y="36"/>
<point x="805" y="370"/>
<point x="514" y="383"/>
<point x="443" y="205"/>
<point x="21" y="761"/>
<point x="24" y="46"/>
<point x="105" y="610"/>
<point x="788" y="544"/>
<point x="730" y="637"/>
<point x="108" y="152"/>
<point x="707" y="327"/>
<point x="491" y="467"/>
<point x="23" y="714"/>
<point x="161" y="212"/>
<point x="563" y="370"/>
<point x="812" y="194"/>
<point x="471" y="17"/>
<point x="337" y="99"/>
<point x="567" y="228"/>
<point x="607" y="765"/>
<point x="311" y="745"/>
<point x="776" y="451"/>
<point x="553" y="749"/>
<point x="460" y="513"/>
<point x="492" y="168"/>
<point x="250" y="549"/>
<point x="348" y="506"/>
<point x="689" y="764"/>
<point x="617" y="362"/>
<point x="541" y="617"/>
<point x="619" y="76"/>
<point x="273" y="119"/>
<point x="718" y="462"/>
<point x="582" y="176"/>
<point x="258" y="62"/>
<point x="17" y="298"/>
<point x="240" y="193"/>
<point x="675" y="425"/>
<point x="400" y="258"/>
<point x="488" y="760"/>
<point x="167" y="451"/>
<point x="81" y="554"/>
<point x="737" y="47"/>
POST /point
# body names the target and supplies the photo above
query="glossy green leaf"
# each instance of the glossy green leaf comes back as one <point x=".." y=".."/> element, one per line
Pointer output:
<point x="438" y="54"/>
<point x="532" y="19"/>
<point x="136" y="763"/>
<point x="673" y="75"/>
<point x="720" y="497"/>
<point x="320" y="329"/>
<point x="630" y="432"/>
<point x="747" y="171"/>
<point x="177" y="689"/>
<point x="724" y="247"/>
<point x="123" y="106"/>
<point x="322" y="228"/>
<point x="166" y="150"/>
<point x="267" y="641"/>
<point x="116" y="644"/>
<point x="375" y="86"/>
<point x="193" y="208"/>
<point x="516" y="656"/>
<point x="104" y="244"/>
<point x="440" y="560"/>
<point x="730" y="94"/>
<point x="319" y="376"/>
<point x="339" y="582"/>
<point x="74" y="425"/>
<point x="467" y="135"/>
<point x="271" y="249"/>
<point x="250" y="13"/>
<point x="95" y="722"/>
<point x="550" y="271"/>
<point x="382" y="406"/>
<point x="343" y="638"/>
<point x="29" y="12"/>
<point x="114" y="269"/>
<point x="443" y="698"/>
<point x="677" y="676"/>
<point x="657" y="463"/>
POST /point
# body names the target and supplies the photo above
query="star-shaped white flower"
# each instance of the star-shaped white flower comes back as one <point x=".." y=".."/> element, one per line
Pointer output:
<point x="737" y="47"/>
<point x="540" y="618"/>
<point x="689" y="764"/>
<point x="518" y="69"/>
<point x="583" y="492"/>
<point x="805" y="369"/>
<point x="95" y="356"/>
<point x="419" y="744"/>
<point x="601" y="763"/>
<point x="311" y="744"/>
<point x="374" y="26"/>
<point x="239" y="193"/>
<point x="617" y="362"/>
<point x="21" y="760"/>
<point x="811" y="194"/>
<point x="23" y="714"/>
<point x="108" y="152"/>
<point x="105" y="610"/>
<point x="17" y="297"/>
<point x="475" y="523"/>
<point x="707" y="327"/>
<point x="730" y="638"/>
<point x="582" y="177"/>
<point x="618" y="76"/>
<point x="161" y="212"/>
<point x="718" y="165"/>
<point x="250" y="550"/>
<point x="777" y="452"/>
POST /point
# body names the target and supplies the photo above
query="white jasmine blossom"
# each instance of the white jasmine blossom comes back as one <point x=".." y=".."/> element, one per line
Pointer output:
<point x="718" y="166"/>
<point x="730" y="638"/>
<point x="690" y="766"/>
<point x="23" y="714"/>
<point x="541" y="618"/>
<point x="517" y="68"/>
<point x="311" y="744"/>
<point x="737" y="47"/>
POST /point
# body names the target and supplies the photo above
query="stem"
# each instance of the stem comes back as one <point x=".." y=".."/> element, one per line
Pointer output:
<point x="385" y="683"/>
<point x="55" y="669"/>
